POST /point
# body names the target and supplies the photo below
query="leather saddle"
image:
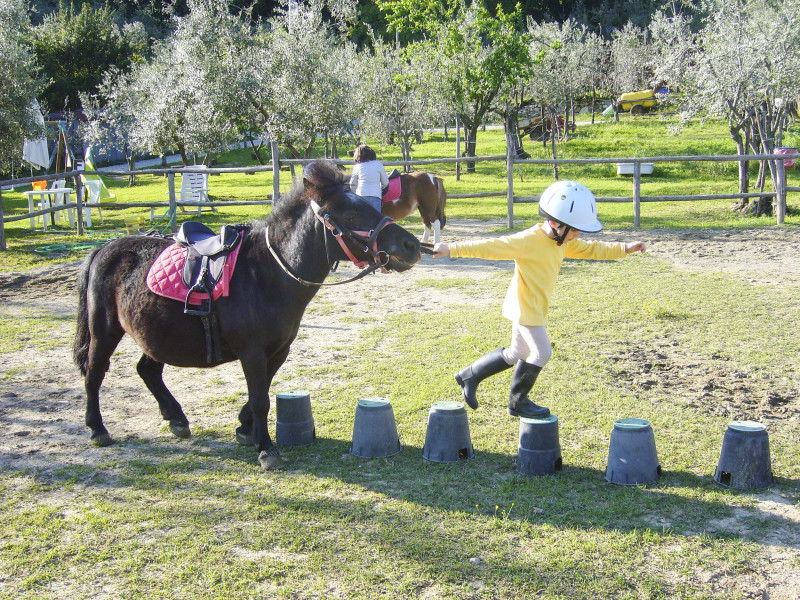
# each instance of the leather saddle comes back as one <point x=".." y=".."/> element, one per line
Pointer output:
<point x="206" y="255"/>
<point x="392" y="191"/>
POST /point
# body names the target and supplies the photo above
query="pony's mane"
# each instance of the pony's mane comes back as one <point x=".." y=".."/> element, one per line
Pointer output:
<point x="329" y="181"/>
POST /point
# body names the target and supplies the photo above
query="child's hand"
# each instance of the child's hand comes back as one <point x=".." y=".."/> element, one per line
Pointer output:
<point x="441" y="249"/>
<point x="634" y="247"/>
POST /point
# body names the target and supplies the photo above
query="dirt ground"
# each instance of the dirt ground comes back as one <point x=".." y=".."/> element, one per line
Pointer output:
<point x="42" y="397"/>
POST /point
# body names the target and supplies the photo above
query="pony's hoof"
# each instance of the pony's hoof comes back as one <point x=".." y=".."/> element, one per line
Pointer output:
<point x="244" y="439"/>
<point x="180" y="430"/>
<point x="102" y="440"/>
<point x="271" y="460"/>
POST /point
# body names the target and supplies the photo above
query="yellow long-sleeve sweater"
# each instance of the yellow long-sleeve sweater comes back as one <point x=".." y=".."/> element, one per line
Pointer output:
<point x="538" y="262"/>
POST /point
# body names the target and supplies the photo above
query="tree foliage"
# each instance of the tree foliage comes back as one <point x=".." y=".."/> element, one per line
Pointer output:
<point x="19" y="81"/>
<point x="305" y="83"/>
<point x="75" y="46"/>
<point x="744" y="64"/>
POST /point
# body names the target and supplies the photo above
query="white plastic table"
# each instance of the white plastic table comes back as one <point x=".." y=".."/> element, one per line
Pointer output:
<point x="64" y="194"/>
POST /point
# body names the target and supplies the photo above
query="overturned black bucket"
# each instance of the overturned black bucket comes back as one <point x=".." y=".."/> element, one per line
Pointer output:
<point x="632" y="458"/>
<point x="374" y="429"/>
<point x="744" y="460"/>
<point x="447" y="437"/>
<point x="294" y="422"/>
<point x="539" y="449"/>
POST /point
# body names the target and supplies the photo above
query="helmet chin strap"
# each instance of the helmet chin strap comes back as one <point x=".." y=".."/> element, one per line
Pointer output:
<point x="560" y="238"/>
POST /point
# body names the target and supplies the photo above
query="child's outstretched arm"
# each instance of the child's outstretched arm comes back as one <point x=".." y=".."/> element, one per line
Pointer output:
<point x="441" y="249"/>
<point x="634" y="247"/>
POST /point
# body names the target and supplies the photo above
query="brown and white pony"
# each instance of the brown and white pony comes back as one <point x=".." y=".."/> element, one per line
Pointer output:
<point x="426" y="193"/>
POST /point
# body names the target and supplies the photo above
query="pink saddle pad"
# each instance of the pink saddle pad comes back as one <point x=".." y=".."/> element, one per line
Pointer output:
<point x="393" y="193"/>
<point x="164" y="277"/>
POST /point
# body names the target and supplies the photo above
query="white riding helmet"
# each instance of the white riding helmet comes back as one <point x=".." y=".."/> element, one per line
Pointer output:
<point x="570" y="203"/>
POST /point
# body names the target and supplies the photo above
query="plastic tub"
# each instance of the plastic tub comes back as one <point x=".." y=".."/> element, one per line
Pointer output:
<point x="447" y="438"/>
<point x="744" y="460"/>
<point x="632" y="458"/>
<point x="374" y="429"/>
<point x="294" y="422"/>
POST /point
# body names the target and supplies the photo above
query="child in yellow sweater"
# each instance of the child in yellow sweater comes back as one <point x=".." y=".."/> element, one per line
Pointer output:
<point x="569" y="209"/>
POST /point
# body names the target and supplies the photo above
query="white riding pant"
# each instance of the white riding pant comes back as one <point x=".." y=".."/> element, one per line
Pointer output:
<point x="530" y="344"/>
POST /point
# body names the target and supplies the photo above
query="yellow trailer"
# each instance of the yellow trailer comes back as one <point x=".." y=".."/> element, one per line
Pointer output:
<point x="637" y="102"/>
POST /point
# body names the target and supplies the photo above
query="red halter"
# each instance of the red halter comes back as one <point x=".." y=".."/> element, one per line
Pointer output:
<point x="368" y="238"/>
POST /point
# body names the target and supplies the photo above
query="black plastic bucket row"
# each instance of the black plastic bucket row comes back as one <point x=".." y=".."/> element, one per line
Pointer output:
<point x="744" y="461"/>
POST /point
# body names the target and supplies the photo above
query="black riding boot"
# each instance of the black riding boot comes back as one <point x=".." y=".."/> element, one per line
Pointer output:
<point x="486" y="366"/>
<point x="518" y="403"/>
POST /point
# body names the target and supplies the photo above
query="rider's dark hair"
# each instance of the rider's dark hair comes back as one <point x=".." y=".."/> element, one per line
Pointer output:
<point x="364" y="153"/>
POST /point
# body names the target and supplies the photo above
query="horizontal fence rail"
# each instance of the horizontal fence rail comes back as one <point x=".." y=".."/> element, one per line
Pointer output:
<point x="778" y="194"/>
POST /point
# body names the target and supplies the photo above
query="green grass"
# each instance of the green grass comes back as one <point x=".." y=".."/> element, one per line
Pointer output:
<point x="633" y="136"/>
<point x="197" y="519"/>
<point x="162" y="518"/>
<point x="30" y="328"/>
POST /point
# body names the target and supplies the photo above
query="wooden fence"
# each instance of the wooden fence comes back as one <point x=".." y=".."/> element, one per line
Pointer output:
<point x="510" y="159"/>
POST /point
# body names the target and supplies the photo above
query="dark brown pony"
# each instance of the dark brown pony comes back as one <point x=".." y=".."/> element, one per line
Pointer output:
<point x="425" y="192"/>
<point x="258" y="320"/>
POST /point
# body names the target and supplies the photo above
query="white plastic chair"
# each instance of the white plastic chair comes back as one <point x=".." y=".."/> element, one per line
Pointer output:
<point x="93" y="186"/>
<point x="194" y="188"/>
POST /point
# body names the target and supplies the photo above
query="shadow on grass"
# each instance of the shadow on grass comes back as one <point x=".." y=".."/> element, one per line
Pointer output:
<point x="487" y="486"/>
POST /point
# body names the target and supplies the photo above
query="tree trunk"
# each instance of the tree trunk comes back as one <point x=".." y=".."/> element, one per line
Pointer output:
<point x="256" y="149"/>
<point x="472" y="143"/>
<point x="744" y="165"/>
<point x="130" y="158"/>
<point x="182" y="152"/>
<point x="405" y="148"/>
<point x="470" y="138"/>
<point x="553" y="150"/>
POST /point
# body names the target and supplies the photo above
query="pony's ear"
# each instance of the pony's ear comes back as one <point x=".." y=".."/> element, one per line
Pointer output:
<point x="310" y="188"/>
<point x="310" y="179"/>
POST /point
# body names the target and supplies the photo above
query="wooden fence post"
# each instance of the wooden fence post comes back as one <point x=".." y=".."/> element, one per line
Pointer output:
<point x="79" y="202"/>
<point x="276" y="171"/>
<point x="2" y="225"/>
<point x="173" y="204"/>
<point x="458" y="149"/>
<point x="637" y="195"/>
<point x="780" y="193"/>
<point x="510" y="178"/>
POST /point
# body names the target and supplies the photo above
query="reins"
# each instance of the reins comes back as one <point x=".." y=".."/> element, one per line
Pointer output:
<point x="379" y="259"/>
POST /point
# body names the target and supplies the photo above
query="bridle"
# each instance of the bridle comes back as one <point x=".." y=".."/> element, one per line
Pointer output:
<point x="378" y="259"/>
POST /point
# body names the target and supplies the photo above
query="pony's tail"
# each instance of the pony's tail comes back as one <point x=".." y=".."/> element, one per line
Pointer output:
<point x="80" y="347"/>
<point x="442" y="200"/>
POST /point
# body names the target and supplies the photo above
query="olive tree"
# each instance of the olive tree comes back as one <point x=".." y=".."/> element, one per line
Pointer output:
<point x="628" y="62"/>
<point x="745" y="66"/>
<point x="305" y="87"/>
<point x="181" y="98"/>
<point x="19" y="81"/>
<point x="566" y="57"/>
<point x="401" y="93"/>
